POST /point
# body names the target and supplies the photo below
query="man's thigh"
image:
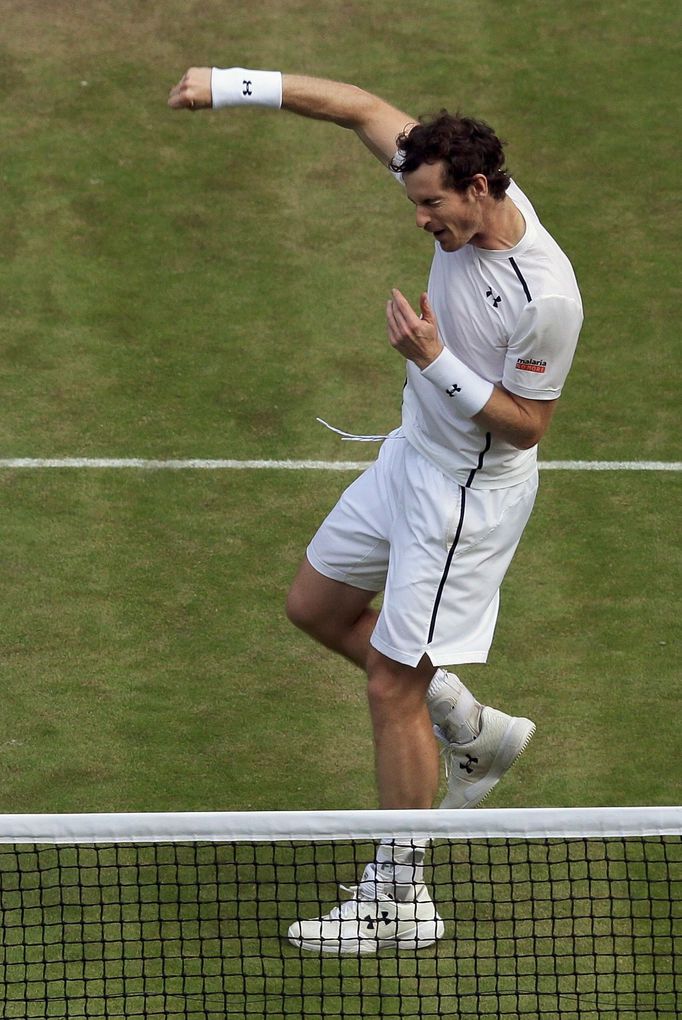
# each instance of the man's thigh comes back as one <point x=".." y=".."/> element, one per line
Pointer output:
<point x="314" y="598"/>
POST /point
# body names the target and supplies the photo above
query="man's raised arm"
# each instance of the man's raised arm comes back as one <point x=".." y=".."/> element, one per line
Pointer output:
<point x="375" y="121"/>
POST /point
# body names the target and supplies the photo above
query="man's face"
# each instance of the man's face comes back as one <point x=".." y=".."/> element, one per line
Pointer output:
<point x="453" y="217"/>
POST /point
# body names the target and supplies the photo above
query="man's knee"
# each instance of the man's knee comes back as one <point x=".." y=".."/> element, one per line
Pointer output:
<point x="309" y="608"/>
<point x="323" y="607"/>
<point x="299" y="608"/>
<point x="395" y="687"/>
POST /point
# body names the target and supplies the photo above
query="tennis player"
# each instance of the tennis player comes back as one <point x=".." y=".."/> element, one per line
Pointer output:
<point x="434" y="523"/>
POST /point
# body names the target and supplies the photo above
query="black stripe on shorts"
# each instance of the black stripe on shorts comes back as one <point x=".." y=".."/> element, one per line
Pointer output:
<point x="451" y="553"/>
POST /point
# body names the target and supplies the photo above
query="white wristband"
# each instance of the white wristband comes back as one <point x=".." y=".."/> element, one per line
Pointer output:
<point x="468" y="391"/>
<point x="238" y="86"/>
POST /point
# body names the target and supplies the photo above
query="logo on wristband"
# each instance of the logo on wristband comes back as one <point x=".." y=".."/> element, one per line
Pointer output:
<point x="453" y="389"/>
<point x="246" y="91"/>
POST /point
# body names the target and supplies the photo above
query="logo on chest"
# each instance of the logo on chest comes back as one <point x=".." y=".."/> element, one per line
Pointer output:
<point x="492" y="298"/>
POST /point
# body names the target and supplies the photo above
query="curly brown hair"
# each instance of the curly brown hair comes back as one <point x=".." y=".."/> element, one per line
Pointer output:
<point x="466" y="146"/>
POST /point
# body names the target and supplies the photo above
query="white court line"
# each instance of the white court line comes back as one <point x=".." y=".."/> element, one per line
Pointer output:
<point x="16" y="463"/>
<point x="610" y="465"/>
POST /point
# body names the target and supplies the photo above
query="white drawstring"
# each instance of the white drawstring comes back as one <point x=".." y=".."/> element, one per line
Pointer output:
<point x="350" y="436"/>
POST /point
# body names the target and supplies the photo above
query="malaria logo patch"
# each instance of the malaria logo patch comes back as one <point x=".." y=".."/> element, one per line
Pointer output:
<point x="530" y="365"/>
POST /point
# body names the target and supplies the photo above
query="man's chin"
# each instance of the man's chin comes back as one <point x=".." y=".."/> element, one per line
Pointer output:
<point x="447" y="242"/>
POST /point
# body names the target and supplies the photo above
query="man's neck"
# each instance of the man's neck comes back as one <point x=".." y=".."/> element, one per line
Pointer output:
<point x="504" y="228"/>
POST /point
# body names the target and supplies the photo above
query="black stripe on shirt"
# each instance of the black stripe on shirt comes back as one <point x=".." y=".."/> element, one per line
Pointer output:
<point x="472" y="473"/>
<point x="520" y="276"/>
<point x="451" y="553"/>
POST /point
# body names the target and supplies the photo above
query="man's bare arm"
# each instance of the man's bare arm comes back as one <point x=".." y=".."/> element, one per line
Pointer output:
<point x="375" y="121"/>
<point x="518" y="420"/>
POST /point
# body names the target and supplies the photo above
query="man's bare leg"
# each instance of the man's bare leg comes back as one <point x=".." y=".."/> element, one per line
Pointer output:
<point x="337" y="615"/>
<point x="340" y="617"/>
<point x="392" y="887"/>
<point x="407" y="763"/>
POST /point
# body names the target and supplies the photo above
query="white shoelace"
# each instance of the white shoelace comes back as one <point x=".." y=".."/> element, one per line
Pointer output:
<point x="450" y="751"/>
<point x="447" y="756"/>
<point x="349" y="909"/>
<point x="447" y="751"/>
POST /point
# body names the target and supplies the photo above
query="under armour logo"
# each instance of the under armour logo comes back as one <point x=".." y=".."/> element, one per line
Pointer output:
<point x="468" y="765"/>
<point x="496" y="300"/>
<point x="369" y="921"/>
<point x="453" y="389"/>
<point x="247" y="88"/>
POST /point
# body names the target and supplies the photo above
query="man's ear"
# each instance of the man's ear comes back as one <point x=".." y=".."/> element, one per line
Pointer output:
<point x="479" y="187"/>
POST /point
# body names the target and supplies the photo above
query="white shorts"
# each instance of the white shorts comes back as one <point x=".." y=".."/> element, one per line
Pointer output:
<point x="438" y="551"/>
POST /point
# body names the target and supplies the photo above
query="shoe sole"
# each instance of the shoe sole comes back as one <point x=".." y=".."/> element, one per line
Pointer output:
<point x="514" y="743"/>
<point x="429" y="933"/>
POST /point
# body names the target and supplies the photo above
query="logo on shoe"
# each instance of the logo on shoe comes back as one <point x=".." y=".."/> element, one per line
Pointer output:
<point x="373" y="922"/>
<point x="468" y="765"/>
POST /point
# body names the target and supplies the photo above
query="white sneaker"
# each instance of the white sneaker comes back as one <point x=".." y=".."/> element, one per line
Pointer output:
<point x="364" y="925"/>
<point x="473" y="769"/>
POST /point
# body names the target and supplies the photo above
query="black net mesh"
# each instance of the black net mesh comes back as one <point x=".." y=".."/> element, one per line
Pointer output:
<point x="559" y="928"/>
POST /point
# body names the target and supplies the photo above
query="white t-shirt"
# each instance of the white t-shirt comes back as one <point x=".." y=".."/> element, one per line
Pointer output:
<point x="513" y="317"/>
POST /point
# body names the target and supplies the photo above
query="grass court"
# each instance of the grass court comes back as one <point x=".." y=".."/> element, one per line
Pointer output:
<point x="203" y="286"/>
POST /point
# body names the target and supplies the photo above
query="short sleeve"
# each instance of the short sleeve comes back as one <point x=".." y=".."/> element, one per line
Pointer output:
<point x="396" y="174"/>
<point x="541" y="347"/>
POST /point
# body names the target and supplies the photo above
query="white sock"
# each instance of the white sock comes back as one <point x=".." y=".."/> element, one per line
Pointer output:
<point x="397" y="870"/>
<point x="453" y="708"/>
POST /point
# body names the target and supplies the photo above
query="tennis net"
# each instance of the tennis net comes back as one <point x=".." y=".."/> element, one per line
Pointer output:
<point x="572" y="913"/>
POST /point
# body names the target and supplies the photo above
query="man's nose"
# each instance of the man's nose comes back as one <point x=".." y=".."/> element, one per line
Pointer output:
<point x="422" y="217"/>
